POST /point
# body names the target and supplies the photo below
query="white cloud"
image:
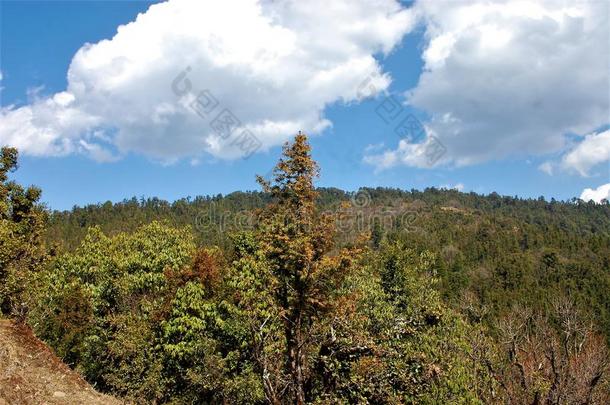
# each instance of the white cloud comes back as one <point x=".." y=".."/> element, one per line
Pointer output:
<point x="547" y="167"/>
<point x="426" y="154"/>
<point x="597" y="195"/>
<point x="274" y="65"/>
<point x="593" y="150"/>
<point x="510" y="78"/>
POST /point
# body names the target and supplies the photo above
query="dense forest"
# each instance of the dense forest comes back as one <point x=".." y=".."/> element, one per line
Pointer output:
<point x="298" y="294"/>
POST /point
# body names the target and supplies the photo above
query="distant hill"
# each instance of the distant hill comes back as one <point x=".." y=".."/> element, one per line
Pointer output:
<point x="212" y="216"/>
<point x="504" y="250"/>
<point x="31" y="374"/>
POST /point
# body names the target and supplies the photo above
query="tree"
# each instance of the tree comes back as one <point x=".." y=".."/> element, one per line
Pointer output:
<point x="296" y="241"/>
<point x="22" y="222"/>
<point x="102" y="306"/>
<point x="555" y="358"/>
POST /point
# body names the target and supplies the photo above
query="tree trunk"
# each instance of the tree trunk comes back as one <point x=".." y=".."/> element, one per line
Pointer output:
<point x="294" y="346"/>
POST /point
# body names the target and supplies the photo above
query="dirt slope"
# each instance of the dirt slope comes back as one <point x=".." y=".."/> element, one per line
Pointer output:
<point x="31" y="374"/>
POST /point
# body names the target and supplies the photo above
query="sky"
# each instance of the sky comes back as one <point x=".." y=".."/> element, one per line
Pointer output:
<point x="112" y="99"/>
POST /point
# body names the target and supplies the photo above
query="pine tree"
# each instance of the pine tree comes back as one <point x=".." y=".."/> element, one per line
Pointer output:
<point x="296" y="241"/>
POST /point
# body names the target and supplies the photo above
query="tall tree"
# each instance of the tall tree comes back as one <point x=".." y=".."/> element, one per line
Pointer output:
<point x="22" y="222"/>
<point x="296" y="240"/>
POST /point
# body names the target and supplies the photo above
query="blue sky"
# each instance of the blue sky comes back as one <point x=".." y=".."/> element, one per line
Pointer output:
<point x="355" y="147"/>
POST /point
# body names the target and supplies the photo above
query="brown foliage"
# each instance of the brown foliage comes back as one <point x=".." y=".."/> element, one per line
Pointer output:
<point x="205" y="269"/>
<point x="558" y="359"/>
<point x="297" y="242"/>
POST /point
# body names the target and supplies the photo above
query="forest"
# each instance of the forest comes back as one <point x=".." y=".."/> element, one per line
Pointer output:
<point x="300" y="294"/>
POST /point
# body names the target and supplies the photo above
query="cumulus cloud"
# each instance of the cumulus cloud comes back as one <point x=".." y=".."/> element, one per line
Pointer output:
<point x="593" y="150"/>
<point x="600" y="193"/>
<point x="506" y="78"/>
<point x="273" y="66"/>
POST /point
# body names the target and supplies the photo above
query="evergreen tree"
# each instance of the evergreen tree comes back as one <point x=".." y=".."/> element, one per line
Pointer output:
<point x="296" y="241"/>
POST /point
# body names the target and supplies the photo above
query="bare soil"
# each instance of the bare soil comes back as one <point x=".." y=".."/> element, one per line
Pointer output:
<point x="30" y="373"/>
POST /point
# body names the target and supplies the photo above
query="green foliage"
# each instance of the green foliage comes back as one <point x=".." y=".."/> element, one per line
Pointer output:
<point x="394" y="341"/>
<point x="119" y="285"/>
<point x="22" y="251"/>
<point x="493" y="246"/>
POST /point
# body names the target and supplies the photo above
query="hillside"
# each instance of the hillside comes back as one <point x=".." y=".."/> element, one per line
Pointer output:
<point x="503" y="250"/>
<point x="211" y="216"/>
<point x="31" y="374"/>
